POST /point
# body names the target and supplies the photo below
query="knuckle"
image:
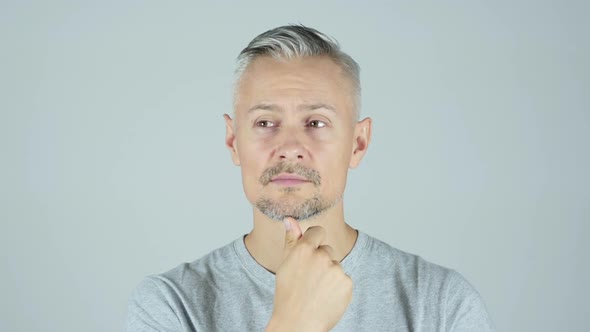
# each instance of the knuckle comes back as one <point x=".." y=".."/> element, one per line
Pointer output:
<point x="328" y="248"/>
<point x="348" y="280"/>
<point x="324" y="257"/>
<point x="290" y="242"/>
<point x="305" y="246"/>
<point x="321" y="230"/>
<point x="347" y="284"/>
<point x="337" y="271"/>
<point x="317" y="230"/>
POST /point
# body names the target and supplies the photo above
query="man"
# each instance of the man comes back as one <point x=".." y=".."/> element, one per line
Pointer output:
<point x="295" y="133"/>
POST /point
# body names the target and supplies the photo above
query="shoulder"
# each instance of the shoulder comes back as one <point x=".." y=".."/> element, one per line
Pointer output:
<point x="462" y="307"/>
<point x="213" y="265"/>
<point x="151" y="307"/>
<point x="162" y="300"/>
<point x="386" y="259"/>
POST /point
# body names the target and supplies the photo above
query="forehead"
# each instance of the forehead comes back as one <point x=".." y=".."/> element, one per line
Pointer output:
<point x="307" y="80"/>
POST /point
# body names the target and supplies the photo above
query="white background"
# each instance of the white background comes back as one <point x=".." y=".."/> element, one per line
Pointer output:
<point x="113" y="164"/>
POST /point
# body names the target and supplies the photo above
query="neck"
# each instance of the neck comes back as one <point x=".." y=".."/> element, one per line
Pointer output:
<point x="267" y="239"/>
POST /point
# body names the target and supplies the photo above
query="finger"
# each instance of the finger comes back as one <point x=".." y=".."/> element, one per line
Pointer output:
<point x="292" y="234"/>
<point x="329" y="250"/>
<point x="315" y="236"/>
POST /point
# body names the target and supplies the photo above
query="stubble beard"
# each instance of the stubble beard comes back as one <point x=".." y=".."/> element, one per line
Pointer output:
<point x="289" y="205"/>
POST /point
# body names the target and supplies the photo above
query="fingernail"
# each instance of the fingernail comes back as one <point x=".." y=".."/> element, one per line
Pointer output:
<point x="287" y="224"/>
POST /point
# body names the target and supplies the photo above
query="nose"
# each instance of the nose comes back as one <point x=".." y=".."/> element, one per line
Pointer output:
<point x="290" y="148"/>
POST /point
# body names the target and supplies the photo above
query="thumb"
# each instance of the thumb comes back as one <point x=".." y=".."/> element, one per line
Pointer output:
<point x="292" y="234"/>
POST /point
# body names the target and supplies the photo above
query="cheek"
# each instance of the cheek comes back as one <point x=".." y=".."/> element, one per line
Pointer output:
<point x="250" y="180"/>
<point x="253" y="156"/>
<point x="251" y="164"/>
<point x="333" y="163"/>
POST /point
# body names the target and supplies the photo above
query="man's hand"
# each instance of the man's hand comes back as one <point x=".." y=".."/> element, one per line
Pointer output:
<point x="312" y="291"/>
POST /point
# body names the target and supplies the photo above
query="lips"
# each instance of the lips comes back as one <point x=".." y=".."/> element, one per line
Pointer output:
<point x="288" y="179"/>
<point x="290" y="174"/>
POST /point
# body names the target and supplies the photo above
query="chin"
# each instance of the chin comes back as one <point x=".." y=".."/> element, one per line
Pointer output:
<point x="299" y="208"/>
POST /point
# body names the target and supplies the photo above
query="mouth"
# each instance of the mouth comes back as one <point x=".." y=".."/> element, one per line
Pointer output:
<point x="289" y="180"/>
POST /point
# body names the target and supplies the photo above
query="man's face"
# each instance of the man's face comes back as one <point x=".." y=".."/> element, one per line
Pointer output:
<point x="294" y="135"/>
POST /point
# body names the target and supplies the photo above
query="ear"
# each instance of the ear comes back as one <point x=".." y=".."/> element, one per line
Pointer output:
<point x="230" y="139"/>
<point x="362" y="138"/>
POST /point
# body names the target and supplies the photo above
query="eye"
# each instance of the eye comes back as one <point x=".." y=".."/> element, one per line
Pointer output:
<point x="316" y="124"/>
<point x="265" y="124"/>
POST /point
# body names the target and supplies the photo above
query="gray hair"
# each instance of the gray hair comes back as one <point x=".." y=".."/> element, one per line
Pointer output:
<point x="293" y="41"/>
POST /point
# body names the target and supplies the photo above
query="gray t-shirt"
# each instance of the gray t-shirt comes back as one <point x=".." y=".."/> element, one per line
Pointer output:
<point x="227" y="290"/>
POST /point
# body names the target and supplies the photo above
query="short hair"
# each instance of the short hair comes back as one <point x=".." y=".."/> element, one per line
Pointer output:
<point x="293" y="41"/>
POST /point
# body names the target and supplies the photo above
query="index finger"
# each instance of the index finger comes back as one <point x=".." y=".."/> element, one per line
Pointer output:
<point x="314" y="235"/>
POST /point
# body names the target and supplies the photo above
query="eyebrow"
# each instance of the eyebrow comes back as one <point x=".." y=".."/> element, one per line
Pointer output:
<point x="304" y="107"/>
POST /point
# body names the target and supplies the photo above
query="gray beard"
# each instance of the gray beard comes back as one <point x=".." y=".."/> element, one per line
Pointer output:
<point x="279" y="210"/>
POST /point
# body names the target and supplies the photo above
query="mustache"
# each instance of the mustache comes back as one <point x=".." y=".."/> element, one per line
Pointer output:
<point x="309" y="174"/>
